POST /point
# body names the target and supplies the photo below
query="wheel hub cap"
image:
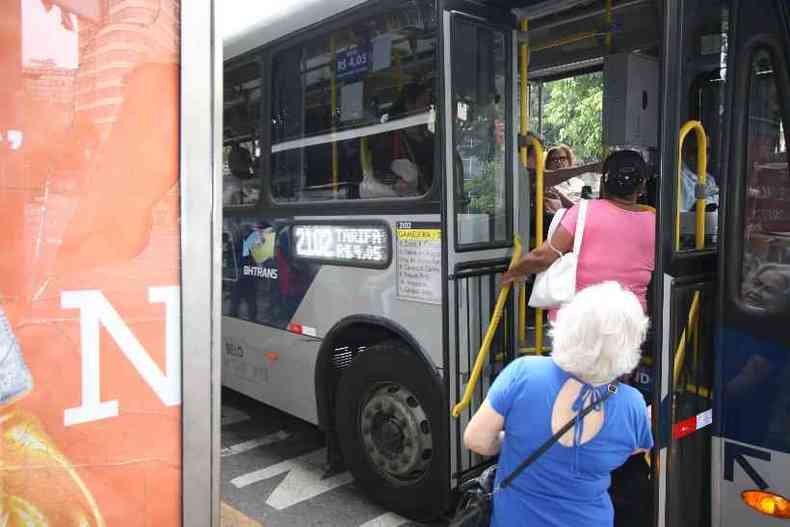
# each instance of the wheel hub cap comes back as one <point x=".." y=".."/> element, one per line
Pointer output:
<point x="396" y="433"/>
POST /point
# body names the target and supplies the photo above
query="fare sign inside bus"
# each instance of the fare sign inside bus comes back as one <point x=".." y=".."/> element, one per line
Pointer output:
<point x="362" y="245"/>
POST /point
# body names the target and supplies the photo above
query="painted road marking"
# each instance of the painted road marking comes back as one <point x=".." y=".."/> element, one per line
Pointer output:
<point x="269" y="439"/>
<point x="231" y="416"/>
<point x="233" y="518"/>
<point x="389" y="519"/>
<point x="302" y="482"/>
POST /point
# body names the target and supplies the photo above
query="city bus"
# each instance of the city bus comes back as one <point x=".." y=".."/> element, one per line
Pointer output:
<point x="375" y="190"/>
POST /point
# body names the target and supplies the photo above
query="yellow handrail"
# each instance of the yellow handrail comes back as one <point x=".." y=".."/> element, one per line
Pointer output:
<point x="680" y="352"/>
<point x="702" y="176"/>
<point x="485" y="347"/>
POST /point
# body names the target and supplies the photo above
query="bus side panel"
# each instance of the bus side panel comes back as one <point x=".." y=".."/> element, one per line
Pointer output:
<point x="270" y="365"/>
<point x="268" y="293"/>
<point x="339" y="292"/>
<point x="732" y="479"/>
<point x="753" y="444"/>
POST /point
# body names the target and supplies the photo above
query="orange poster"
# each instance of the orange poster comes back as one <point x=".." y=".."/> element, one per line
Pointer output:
<point x="90" y="354"/>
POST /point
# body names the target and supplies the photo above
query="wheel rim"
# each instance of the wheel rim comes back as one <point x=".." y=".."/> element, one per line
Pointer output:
<point x="396" y="433"/>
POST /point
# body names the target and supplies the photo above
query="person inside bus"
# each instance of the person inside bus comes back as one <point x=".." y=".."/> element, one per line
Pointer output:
<point x="402" y="160"/>
<point x="597" y="339"/>
<point x="689" y="179"/>
<point x="619" y="234"/>
<point x="554" y="174"/>
<point x="558" y="157"/>
<point x="560" y="173"/>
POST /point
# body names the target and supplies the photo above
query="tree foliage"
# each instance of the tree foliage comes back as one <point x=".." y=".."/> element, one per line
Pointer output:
<point x="572" y="110"/>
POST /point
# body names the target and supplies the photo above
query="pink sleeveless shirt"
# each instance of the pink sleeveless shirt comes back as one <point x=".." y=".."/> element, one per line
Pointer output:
<point x="617" y="245"/>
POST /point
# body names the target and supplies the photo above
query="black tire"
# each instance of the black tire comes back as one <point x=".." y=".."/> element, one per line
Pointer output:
<point x="400" y="458"/>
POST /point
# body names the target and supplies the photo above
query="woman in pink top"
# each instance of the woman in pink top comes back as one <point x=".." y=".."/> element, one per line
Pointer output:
<point x="619" y="235"/>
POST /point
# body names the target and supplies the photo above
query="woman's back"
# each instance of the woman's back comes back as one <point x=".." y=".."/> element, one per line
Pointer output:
<point x="618" y="244"/>
<point x="567" y="486"/>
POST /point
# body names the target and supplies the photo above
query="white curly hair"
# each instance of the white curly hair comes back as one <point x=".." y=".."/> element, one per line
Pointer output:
<point x="597" y="336"/>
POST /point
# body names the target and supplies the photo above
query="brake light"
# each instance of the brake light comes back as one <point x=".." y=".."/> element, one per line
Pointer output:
<point x="767" y="503"/>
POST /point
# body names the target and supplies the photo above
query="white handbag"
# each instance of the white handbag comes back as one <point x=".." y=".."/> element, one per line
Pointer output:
<point x="557" y="284"/>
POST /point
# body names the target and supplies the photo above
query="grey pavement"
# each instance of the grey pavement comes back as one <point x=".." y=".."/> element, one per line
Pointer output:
<point x="271" y="471"/>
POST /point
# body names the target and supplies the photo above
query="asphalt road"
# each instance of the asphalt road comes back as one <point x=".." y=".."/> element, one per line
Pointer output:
<point x="272" y="474"/>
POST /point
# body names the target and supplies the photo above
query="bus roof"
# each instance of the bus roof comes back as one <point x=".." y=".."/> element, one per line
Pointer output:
<point x="252" y="23"/>
<point x="260" y="22"/>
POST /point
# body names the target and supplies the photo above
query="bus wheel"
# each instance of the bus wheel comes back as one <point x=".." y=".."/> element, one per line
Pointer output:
<point x="388" y="413"/>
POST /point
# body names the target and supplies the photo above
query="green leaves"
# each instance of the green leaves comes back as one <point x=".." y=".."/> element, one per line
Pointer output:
<point x="572" y="114"/>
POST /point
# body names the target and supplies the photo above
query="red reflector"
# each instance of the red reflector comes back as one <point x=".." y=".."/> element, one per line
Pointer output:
<point x="684" y="427"/>
<point x="296" y="328"/>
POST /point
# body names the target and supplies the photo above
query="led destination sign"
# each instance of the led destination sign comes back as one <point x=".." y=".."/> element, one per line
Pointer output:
<point x="367" y="245"/>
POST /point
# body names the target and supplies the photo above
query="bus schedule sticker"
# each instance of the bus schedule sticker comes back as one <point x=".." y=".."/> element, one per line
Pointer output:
<point x="419" y="253"/>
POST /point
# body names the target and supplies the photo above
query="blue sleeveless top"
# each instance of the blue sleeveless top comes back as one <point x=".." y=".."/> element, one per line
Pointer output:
<point x="567" y="486"/>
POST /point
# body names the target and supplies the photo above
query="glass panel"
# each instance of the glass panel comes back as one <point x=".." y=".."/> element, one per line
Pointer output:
<point x="766" y="244"/>
<point x="352" y="111"/>
<point x="89" y="265"/>
<point x="479" y="105"/>
<point x="241" y="138"/>
<point x="706" y="77"/>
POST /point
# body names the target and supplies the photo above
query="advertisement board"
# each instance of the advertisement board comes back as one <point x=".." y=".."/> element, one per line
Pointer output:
<point x="90" y="352"/>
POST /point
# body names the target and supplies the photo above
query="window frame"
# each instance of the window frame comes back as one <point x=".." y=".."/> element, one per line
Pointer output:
<point x="242" y="60"/>
<point x="430" y="202"/>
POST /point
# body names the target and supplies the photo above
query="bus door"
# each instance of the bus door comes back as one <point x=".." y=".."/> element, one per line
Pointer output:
<point x="478" y="203"/>
<point x="684" y="284"/>
<point x="751" y="444"/>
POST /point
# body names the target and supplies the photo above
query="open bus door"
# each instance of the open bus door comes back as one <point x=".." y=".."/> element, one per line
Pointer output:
<point x="751" y="443"/>
<point x="721" y="425"/>
<point x="478" y="53"/>
<point x="684" y="284"/>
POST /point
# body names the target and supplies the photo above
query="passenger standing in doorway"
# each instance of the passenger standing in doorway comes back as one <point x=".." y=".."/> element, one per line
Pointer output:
<point x="619" y="235"/>
<point x="555" y="172"/>
<point x="597" y="339"/>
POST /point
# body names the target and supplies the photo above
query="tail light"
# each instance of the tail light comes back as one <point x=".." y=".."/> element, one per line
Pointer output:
<point x="767" y="503"/>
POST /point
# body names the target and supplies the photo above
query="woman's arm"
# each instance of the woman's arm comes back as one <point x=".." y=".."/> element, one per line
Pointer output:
<point x="484" y="433"/>
<point x="541" y="258"/>
<point x="557" y="176"/>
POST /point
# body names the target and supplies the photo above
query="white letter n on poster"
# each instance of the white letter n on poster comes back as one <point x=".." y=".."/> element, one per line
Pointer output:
<point x="95" y="310"/>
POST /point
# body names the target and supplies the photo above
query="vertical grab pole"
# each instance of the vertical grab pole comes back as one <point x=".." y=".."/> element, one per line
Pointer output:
<point x="540" y="164"/>
<point x="333" y="102"/>
<point x="523" y="129"/>
<point x="702" y="177"/>
<point x="609" y="25"/>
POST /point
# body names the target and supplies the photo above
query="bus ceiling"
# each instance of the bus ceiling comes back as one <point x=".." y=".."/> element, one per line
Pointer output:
<point x="572" y="34"/>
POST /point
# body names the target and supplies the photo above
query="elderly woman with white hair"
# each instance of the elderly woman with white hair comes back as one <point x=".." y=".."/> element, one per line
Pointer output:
<point x="597" y="339"/>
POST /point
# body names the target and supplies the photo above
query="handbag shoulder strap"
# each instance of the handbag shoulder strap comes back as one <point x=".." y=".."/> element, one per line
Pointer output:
<point x="556" y="437"/>
<point x="580" y="221"/>
<point x="555" y="222"/>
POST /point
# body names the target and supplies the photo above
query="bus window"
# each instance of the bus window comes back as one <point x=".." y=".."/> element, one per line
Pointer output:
<point x="241" y="151"/>
<point x="352" y="111"/>
<point x="765" y="272"/>
<point x="479" y="105"/>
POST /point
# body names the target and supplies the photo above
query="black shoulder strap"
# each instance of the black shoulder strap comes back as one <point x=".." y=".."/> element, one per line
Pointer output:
<point x="556" y="437"/>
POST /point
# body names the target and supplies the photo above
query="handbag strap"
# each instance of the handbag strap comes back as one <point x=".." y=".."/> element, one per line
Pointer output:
<point x="580" y="221"/>
<point x="556" y="437"/>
